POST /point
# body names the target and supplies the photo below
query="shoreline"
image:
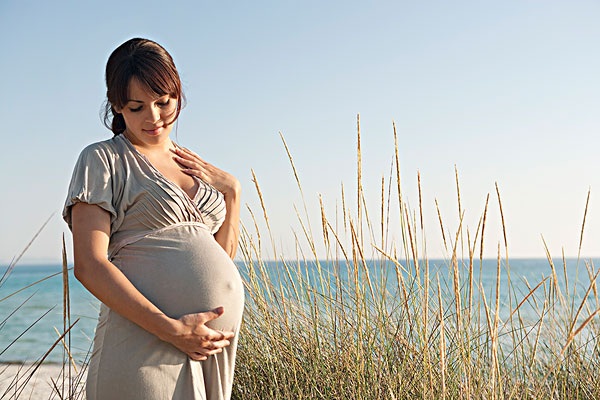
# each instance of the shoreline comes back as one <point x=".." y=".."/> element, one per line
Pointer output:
<point x="18" y="380"/>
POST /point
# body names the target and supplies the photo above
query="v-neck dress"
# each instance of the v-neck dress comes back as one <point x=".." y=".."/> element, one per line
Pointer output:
<point x="162" y="240"/>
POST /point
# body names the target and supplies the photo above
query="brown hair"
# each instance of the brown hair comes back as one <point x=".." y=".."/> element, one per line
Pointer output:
<point x="151" y="65"/>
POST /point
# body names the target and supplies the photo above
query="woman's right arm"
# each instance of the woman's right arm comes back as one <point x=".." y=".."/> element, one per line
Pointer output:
<point x="91" y="230"/>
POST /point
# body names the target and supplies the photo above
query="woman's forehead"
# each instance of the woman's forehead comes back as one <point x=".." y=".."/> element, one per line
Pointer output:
<point x="140" y="92"/>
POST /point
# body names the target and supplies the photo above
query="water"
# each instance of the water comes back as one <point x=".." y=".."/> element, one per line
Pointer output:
<point x="45" y="300"/>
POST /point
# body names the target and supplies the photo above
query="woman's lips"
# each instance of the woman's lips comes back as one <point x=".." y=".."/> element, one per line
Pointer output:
<point x="154" y="131"/>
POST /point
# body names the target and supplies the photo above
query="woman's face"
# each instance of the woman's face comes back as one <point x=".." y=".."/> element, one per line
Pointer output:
<point x="147" y="117"/>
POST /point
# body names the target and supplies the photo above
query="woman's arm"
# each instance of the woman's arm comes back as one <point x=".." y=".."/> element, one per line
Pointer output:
<point x="91" y="228"/>
<point x="229" y="233"/>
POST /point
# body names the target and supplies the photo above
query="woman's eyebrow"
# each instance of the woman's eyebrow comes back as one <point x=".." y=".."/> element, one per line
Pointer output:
<point x="140" y="101"/>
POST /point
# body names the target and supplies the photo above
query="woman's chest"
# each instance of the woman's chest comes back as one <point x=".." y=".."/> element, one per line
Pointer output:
<point x="173" y="172"/>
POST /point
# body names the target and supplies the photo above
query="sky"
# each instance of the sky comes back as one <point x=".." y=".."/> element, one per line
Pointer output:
<point x="505" y="93"/>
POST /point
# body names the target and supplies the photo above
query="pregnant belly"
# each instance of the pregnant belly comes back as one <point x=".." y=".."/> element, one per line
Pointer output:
<point x="183" y="270"/>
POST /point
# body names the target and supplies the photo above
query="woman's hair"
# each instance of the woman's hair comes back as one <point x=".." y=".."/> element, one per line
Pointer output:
<point x="151" y="65"/>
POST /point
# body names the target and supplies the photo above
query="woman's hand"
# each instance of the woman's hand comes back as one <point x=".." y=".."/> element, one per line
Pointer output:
<point x="196" y="339"/>
<point x="194" y="165"/>
<point x="228" y="234"/>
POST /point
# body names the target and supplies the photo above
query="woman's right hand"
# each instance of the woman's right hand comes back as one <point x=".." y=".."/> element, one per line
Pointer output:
<point x="197" y="340"/>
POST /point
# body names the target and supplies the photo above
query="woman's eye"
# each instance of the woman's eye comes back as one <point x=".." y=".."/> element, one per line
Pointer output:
<point x="136" y="109"/>
<point x="164" y="103"/>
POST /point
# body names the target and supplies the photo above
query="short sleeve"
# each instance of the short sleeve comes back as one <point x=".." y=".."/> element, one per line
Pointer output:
<point x="91" y="182"/>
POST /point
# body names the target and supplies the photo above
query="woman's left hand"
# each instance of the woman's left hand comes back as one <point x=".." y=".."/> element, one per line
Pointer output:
<point x="194" y="165"/>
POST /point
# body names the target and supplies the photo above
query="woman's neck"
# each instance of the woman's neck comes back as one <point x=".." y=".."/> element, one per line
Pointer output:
<point x="161" y="145"/>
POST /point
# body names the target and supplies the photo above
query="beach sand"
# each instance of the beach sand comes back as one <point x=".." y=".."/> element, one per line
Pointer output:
<point x="14" y="385"/>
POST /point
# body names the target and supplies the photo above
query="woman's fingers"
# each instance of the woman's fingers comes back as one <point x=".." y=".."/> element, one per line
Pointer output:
<point x="187" y="154"/>
<point x="197" y="357"/>
<point x="208" y="349"/>
<point x="201" y="341"/>
<point x="196" y="166"/>
<point x="204" y="354"/>
<point x="211" y="314"/>
<point x="190" y="164"/>
<point x="185" y="162"/>
<point x="216" y="339"/>
<point x="223" y="341"/>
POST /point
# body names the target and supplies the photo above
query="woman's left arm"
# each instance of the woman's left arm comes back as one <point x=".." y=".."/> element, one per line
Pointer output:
<point x="229" y="233"/>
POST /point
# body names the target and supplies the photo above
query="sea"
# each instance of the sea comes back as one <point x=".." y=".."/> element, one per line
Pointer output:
<point x="31" y="299"/>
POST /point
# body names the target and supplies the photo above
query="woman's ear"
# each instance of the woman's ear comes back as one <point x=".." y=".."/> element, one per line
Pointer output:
<point x="116" y="110"/>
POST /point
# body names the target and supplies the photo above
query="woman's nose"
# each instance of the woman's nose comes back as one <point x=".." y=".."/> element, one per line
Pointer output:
<point x="154" y="114"/>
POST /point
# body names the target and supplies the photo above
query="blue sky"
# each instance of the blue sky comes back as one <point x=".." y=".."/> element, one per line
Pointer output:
<point x="507" y="92"/>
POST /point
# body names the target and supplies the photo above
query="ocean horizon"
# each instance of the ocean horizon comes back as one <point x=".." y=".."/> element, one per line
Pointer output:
<point x="31" y="317"/>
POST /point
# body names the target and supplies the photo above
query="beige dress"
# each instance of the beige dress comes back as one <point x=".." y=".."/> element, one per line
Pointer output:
<point x="163" y="242"/>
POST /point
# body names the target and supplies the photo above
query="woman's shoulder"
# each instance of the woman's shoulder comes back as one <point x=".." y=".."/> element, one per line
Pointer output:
<point x="106" y="151"/>
<point x="112" y="146"/>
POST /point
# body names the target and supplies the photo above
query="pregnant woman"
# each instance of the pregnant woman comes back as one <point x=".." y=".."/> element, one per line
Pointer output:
<point x="155" y="228"/>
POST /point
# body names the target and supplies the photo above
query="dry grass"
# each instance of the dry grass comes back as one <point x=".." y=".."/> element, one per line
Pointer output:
<point x="68" y="383"/>
<point x="356" y="321"/>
